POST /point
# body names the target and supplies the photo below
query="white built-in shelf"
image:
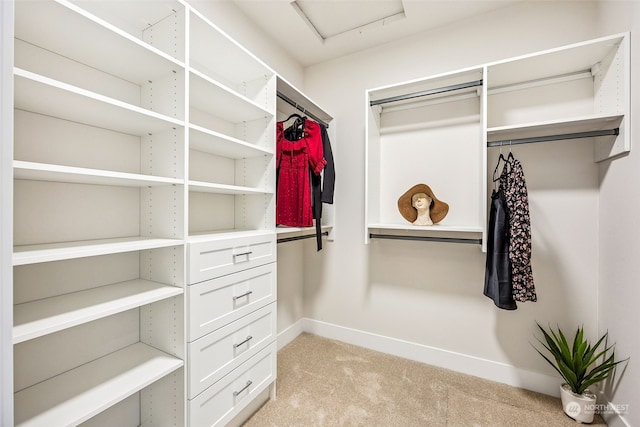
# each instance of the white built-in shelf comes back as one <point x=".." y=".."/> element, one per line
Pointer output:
<point x="562" y="61"/>
<point x="554" y="127"/>
<point x="294" y="95"/>
<point x="56" y="26"/>
<point x="42" y="95"/>
<point x="154" y="22"/>
<point x="77" y="395"/>
<point x="32" y="254"/>
<point x="213" y="142"/>
<point x="233" y="64"/>
<point x="229" y="105"/>
<point x="57" y="173"/>
<point x="37" y="318"/>
<point x="207" y="187"/>
<point x="435" y="227"/>
<point x="206" y="236"/>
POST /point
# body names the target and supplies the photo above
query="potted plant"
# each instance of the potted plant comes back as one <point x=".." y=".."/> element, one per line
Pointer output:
<point x="581" y="365"/>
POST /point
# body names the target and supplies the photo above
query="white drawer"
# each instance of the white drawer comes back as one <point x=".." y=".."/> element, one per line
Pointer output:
<point x="217" y="302"/>
<point x="209" y="259"/>
<point x="216" y="354"/>
<point x="225" y="399"/>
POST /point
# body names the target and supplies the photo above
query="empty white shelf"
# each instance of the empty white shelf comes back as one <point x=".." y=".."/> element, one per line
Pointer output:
<point x="45" y="316"/>
<point x="50" y="97"/>
<point x="101" y="45"/>
<point x="206" y="187"/>
<point x="232" y="62"/>
<point x="70" y="174"/>
<point x="32" y="254"/>
<point x="205" y="236"/>
<point x="553" y="127"/>
<point x="77" y="395"/>
<point x="229" y="105"/>
<point x="435" y="227"/>
<point x="213" y="142"/>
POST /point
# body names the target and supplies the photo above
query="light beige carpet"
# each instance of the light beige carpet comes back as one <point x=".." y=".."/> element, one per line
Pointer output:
<point x="323" y="382"/>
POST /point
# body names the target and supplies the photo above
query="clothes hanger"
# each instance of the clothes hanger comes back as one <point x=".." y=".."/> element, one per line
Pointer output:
<point x="295" y="132"/>
<point x="292" y="116"/>
<point x="507" y="162"/>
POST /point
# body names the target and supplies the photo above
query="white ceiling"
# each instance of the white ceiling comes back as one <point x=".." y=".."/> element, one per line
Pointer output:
<point x="314" y="31"/>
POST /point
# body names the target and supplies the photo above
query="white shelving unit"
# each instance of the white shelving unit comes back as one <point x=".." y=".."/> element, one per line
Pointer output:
<point x="99" y="225"/>
<point x="581" y="88"/>
<point x="439" y="128"/>
<point x="135" y="147"/>
<point x="231" y="141"/>
<point x="432" y="131"/>
<point x="231" y="256"/>
<point x="144" y="198"/>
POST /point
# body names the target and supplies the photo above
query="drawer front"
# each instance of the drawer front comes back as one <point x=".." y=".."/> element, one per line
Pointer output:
<point x="215" y="258"/>
<point x="225" y="399"/>
<point x="216" y="354"/>
<point x="217" y="302"/>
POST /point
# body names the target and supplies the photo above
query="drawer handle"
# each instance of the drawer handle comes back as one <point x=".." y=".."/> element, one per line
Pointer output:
<point x="242" y="296"/>
<point x="242" y="254"/>
<point x="249" y="338"/>
<point x="236" y="393"/>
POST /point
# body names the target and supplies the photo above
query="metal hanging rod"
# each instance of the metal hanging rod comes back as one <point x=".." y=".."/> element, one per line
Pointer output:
<point x="308" y="236"/>
<point x="426" y="92"/>
<point x="426" y="238"/>
<point x="577" y="135"/>
<point x="299" y="107"/>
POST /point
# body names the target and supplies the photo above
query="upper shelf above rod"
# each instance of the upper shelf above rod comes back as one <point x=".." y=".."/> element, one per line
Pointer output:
<point x="559" y="137"/>
<point x="426" y="92"/>
<point x="288" y="93"/>
<point x="302" y="109"/>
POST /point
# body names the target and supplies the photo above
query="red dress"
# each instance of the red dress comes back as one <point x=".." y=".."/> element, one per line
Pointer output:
<point x="294" y="160"/>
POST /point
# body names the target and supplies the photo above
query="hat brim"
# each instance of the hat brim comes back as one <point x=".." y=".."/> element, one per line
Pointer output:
<point x="437" y="211"/>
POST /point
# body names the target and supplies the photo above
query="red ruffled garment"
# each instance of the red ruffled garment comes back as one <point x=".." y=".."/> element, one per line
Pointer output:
<point x="294" y="159"/>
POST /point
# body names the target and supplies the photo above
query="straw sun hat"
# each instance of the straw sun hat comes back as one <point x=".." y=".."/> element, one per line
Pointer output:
<point x="437" y="211"/>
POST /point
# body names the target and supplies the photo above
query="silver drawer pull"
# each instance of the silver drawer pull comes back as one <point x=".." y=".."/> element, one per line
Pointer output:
<point x="249" y="338"/>
<point x="246" y="294"/>
<point x="242" y="254"/>
<point x="236" y="393"/>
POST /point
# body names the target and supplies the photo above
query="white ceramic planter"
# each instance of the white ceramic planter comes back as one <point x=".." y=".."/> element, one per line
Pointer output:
<point x="580" y="407"/>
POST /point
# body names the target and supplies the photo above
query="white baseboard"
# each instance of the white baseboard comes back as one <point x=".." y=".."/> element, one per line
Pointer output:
<point x="613" y="418"/>
<point x="470" y="365"/>
<point x="289" y="334"/>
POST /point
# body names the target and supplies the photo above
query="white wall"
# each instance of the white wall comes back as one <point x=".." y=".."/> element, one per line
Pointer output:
<point x="431" y="293"/>
<point x="619" y="243"/>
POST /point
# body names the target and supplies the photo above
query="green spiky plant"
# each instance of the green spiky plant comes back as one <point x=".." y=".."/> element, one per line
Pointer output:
<point x="578" y="363"/>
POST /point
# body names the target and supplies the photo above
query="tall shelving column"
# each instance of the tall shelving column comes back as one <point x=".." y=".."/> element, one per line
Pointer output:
<point x="231" y="256"/>
<point x="99" y="219"/>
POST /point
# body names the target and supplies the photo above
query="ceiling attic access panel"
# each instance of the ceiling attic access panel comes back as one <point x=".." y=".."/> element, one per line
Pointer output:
<point x="427" y="131"/>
